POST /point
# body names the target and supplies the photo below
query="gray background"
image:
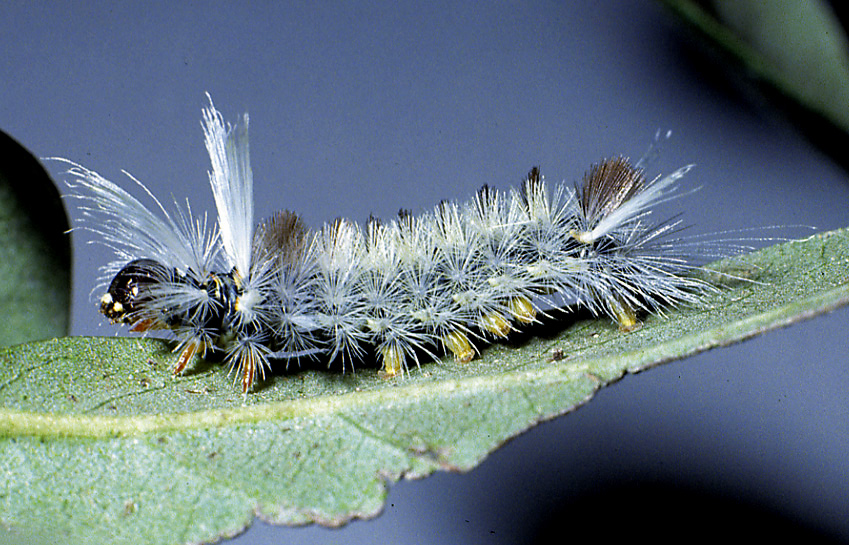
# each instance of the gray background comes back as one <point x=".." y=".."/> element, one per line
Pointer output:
<point x="366" y="108"/>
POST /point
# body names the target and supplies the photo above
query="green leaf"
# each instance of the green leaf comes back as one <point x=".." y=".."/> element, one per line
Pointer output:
<point x="101" y="441"/>
<point x="796" y="48"/>
<point x="35" y="255"/>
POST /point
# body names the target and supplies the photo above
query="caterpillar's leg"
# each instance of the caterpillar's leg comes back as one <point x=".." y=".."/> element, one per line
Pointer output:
<point x="522" y="309"/>
<point x="190" y="349"/>
<point x="458" y="343"/>
<point x="249" y="358"/>
<point x="147" y="324"/>
<point x="248" y="365"/>
<point x="624" y="315"/>
<point x="495" y="323"/>
<point x="393" y="360"/>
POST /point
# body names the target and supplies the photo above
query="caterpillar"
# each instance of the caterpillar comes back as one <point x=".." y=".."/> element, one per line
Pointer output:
<point x="448" y="280"/>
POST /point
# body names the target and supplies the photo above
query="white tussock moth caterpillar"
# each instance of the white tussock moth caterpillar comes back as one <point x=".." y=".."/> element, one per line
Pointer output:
<point x="446" y="280"/>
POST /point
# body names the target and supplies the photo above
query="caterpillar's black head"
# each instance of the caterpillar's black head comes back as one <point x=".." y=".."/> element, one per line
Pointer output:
<point x="128" y="292"/>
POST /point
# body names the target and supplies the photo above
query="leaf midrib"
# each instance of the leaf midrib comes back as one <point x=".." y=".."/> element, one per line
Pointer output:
<point x="53" y="425"/>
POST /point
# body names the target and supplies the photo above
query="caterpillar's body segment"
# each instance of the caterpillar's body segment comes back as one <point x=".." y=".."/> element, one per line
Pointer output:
<point x="443" y="281"/>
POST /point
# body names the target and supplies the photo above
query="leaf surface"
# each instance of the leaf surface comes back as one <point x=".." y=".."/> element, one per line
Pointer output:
<point x="98" y="438"/>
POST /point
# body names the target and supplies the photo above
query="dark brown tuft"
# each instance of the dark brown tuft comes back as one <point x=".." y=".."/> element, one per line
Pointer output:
<point x="607" y="185"/>
<point x="533" y="179"/>
<point x="534" y="176"/>
<point x="282" y="235"/>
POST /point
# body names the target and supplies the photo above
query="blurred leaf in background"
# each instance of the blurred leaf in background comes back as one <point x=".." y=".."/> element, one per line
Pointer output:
<point x="35" y="253"/>
<point x="795" y="50"/>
